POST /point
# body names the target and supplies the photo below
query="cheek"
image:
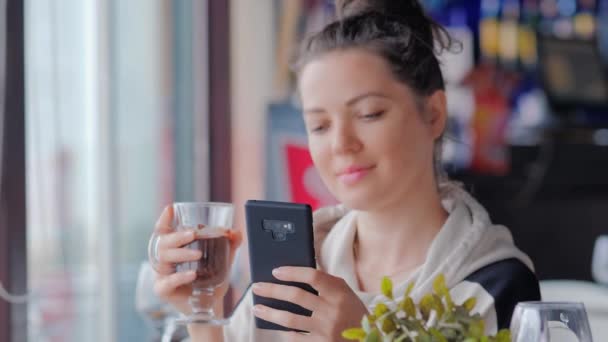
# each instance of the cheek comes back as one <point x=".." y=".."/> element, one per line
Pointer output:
<point x="320" y="155"/>
<point x="402" y="146"/>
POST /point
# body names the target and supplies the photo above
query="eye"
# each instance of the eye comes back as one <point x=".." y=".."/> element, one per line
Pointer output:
<point x="318" y="128"/>
<point x="372" y="116"/>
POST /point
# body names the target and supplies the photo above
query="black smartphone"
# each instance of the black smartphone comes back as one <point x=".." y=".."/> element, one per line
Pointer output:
<point x="279" y="234"/>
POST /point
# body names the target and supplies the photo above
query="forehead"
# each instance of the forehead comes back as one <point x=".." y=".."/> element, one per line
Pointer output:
<point x="346" y="72"/>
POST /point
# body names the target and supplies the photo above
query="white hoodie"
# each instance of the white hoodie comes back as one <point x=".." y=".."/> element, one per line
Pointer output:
<point x="477" y="258"/>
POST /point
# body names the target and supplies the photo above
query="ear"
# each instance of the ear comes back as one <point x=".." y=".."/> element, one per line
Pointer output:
<point x="437" y="113"/>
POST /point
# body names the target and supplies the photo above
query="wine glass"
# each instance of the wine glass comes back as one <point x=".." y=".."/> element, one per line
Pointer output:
<point x="599" y="264"/>
<point x="550" y="322"/>
<point x="150" y="307"/>
<point x="212" y="223"/>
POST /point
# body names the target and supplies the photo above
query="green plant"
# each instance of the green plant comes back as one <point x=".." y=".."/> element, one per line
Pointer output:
<point x="436" y="318"/>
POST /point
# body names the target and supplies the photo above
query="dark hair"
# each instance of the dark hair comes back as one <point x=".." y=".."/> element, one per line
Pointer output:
<point x="399" y="31"/>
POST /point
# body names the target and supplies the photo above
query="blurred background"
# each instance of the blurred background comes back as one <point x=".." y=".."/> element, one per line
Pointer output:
<point x="112" y="109"/>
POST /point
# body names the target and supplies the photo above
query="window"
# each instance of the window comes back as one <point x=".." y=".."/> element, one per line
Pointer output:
<point x="116" y="128"/>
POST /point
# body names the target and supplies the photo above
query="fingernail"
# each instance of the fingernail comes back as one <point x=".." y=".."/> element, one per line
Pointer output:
<point x="257" y="309"/>
<point x="189" y="234"/>
<point x="277" y="272"/>
<point x="191" y="274"/>
<point x="196" y="253"/>
<point x="256" y="286"/>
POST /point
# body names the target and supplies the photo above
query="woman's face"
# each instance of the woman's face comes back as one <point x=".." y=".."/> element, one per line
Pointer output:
<point x="367" y="137"/>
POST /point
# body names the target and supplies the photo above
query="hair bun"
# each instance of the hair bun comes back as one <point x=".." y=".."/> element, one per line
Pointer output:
<point x="397" y="8"/>
<point x="409" y="12"/>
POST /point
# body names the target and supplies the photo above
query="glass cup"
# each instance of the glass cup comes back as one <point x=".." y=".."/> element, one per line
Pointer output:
<point x="212" y="223"/>
<point x="550" y="322"/>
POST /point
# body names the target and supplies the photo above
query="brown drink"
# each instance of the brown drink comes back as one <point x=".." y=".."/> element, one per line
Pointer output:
<point x="211" y="222"/>
<point x="212" y="268"/>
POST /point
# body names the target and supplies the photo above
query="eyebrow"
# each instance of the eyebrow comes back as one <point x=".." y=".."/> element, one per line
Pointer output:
<point x="349" y="103"/>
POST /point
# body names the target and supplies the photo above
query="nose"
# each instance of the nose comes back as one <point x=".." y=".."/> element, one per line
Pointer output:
<point x="345" y="139"/>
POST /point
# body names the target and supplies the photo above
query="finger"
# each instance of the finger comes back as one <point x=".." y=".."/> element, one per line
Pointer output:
<point x="165" y="268"/>
<point x="290" y="294"/>
<point x="176" y="255"/>
<point x="236" y="238"/>
<point x="164" y="286"/>
<point x="175" y="239"/>
<point x="324" y="283"/>
<point x="284" y="318"/>
<point x="165" y="221"/>
<point x="294" y="336"/>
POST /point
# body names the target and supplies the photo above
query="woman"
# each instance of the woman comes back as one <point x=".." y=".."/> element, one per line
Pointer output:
<point x="375" y="112"/>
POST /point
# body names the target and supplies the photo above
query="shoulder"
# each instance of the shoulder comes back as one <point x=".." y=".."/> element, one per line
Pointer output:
<point x="324" y="219"/>
<point x="508" y="282"/>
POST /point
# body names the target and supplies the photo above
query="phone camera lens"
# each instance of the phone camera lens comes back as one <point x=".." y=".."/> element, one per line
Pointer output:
<point x="279" y="236"/>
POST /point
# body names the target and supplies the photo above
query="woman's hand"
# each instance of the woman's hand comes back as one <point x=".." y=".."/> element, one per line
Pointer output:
<point x="335" y="309"/>
<point x="175" y="287"/>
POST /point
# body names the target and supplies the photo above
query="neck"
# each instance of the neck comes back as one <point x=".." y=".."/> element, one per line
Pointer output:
<point x="403" y="231"/>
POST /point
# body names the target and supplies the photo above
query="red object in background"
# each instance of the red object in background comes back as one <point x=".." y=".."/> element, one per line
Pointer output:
<point x="490" y="151"/>
<point x="305" y="184"/>
<point x="492" y="88"/>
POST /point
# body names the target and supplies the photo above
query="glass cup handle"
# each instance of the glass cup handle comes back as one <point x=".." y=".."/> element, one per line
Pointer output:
<point x="153" y="250"/>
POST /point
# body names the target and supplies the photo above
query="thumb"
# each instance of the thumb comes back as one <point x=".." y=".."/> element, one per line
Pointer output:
<point x="165" y="221"/>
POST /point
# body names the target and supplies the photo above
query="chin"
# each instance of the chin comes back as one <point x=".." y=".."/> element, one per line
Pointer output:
<point x="358" y="200"/>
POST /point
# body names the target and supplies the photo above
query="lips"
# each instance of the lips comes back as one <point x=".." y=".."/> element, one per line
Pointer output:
<point x="354" y="174"/>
